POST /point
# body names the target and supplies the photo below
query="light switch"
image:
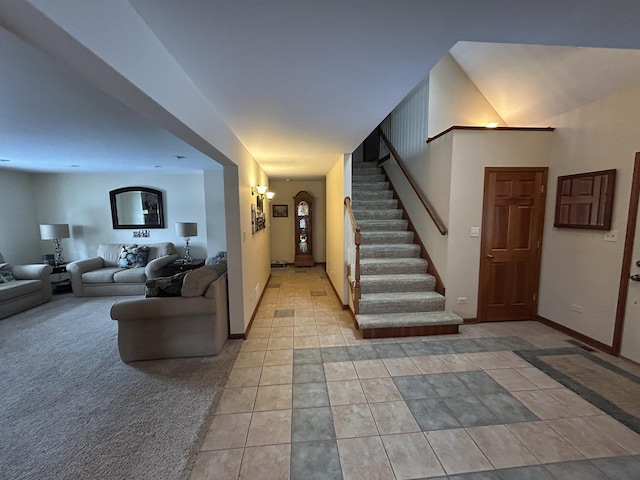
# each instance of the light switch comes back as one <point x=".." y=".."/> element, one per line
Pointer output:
<point x="475" y="232"/>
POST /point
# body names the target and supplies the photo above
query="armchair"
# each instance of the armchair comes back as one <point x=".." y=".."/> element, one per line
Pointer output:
<point x="30" y="288"/>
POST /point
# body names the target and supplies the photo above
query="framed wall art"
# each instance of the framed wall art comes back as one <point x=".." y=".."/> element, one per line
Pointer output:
<point x="585" y="200"/>
<point x="280" y="211"/>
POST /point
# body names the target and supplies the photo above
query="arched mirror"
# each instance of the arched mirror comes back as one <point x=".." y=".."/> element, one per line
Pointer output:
<point x="136" y="207"/>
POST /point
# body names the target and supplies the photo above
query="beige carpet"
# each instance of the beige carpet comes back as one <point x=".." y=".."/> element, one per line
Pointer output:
<point x="69" y="407"/>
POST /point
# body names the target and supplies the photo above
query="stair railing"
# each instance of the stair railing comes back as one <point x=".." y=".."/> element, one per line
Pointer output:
<point x="421" y="196"/>
<point x="353" y="257"/>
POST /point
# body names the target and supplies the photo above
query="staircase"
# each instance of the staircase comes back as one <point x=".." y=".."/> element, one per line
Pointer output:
<point x="397" y="294"/>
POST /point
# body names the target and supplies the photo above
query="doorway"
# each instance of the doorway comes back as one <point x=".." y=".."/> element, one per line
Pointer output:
<point x="512" y="225"/>
<point x="626" y="338"/>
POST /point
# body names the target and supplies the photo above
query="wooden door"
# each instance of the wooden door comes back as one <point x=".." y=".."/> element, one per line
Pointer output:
<point x="512" y="223"/>
<point x="626" y="336"/>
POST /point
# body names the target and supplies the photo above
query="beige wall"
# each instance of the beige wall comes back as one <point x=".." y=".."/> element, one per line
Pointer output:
<point x="455" y="100"/>
<point x="578" y="266"/>
<point x="472" y="152"/>
<point x="337" y="180"/>
<point x="282" y="228"/>
<point x="19" y="231"/>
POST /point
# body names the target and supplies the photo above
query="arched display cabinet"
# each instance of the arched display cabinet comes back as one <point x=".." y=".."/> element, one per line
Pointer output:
<point x="303" y="211"/>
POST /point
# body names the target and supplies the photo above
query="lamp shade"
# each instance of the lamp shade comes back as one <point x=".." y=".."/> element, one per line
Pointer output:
<point x="186" y="229"/>
<point x="56" y="230"/>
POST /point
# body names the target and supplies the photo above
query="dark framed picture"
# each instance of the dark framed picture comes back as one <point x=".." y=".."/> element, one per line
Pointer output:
<point x="585" y="200"/>
<point x="281" y="211"/>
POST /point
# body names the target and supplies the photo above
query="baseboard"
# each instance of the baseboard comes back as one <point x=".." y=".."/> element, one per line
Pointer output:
<point x="244" y="335"/>
<point x="577" y="335"/>
<point x="415" y="331"/>
<point x="468" y="321"/>
<point x="344" y="307"/>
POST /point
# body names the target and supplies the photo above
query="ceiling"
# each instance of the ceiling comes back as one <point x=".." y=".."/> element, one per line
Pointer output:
<point x="302" y="82"/>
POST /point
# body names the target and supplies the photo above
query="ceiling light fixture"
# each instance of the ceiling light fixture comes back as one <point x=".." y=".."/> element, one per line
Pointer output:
<point x="4" y="160"/>
<point x="179" y="157"/>
<point x="75" y="166"/>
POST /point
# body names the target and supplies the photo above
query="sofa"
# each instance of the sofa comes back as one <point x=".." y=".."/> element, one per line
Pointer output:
<point x="106" y="275"/>
<point x="23" y="287"/>
<point x="192" y="322"/>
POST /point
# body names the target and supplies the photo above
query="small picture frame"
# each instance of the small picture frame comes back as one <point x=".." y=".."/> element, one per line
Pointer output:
<point x="280" y="211"/>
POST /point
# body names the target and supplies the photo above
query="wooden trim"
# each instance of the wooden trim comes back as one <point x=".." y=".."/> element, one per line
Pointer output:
<point x="423" y="199"/>
<point x="577" y="335"/>
<point x="431" y="268"/>
<point x="471" y="321"/>
<point x="237" y="336"/>
<point x="625" y="271"/>
<point x="416" y="331"/>
<point x="482" y="128"/>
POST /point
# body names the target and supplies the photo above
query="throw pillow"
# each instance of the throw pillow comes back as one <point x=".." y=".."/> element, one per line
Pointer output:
<point x="197" y="281"/>
<point x="165" y="286"/>
<point x="6" y="273"/>
<point x="133" y="256"/>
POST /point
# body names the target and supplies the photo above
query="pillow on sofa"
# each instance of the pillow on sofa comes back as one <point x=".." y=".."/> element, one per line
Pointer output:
<point x="197" y="281"/>
<point x="6" y="273"/>
<point x="164" y="286"/>
<point x="133" y="256"/>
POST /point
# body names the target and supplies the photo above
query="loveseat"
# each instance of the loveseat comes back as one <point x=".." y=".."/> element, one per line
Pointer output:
<point x="193" y="322"/>
<point x="23" y="287"/>
<point x="117" y="271"/>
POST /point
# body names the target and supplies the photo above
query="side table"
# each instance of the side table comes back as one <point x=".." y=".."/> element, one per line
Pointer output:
<point x="63" y="281"/>
<point x="180" y="266"/>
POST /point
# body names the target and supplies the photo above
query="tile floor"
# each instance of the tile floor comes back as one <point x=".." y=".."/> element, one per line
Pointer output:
<point x="308" y="398"/>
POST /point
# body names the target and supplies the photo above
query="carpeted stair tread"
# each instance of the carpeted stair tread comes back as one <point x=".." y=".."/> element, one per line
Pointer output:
<point x="368" y="178"/>
<point x="383" y="225"/>
<point x="402" y="282"/>
<point x="382" y="238"/>
<point x="369" y="186"/>
<point x="380" y="266"/>
<point x="364" y="194"/>
<point x="387" y="214"/>
<point x="377" y="203"/>
<point x="401" y="302"/>
<point x="388" y="251"/>
<point x="407" y="320"/>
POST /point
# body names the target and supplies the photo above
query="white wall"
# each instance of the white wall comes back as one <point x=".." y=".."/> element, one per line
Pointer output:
<point x="578" y="266"/>
<point x="473" y="151"/>
<point x="214" y="211"/>
<point x="338" y="177"/>
<point x="82" y="201"/>
<point x="455" y="100"/>
<point x="19" y="231"/>
<point x="282" y="228"/>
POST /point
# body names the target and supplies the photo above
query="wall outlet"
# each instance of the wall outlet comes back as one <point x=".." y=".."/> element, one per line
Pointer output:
<point x="462" y="300"/>
<point x="474" y="232"/>
<point x="611" y="236"/>
<point x="577" y="308"/>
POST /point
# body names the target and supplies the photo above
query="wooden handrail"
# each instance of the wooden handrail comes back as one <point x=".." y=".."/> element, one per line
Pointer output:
<point x="357" y="240"/>
<point x="427" y="205"/>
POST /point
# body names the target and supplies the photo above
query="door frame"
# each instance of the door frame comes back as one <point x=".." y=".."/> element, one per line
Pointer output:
<point x="538" y="260"/>
<point x="625" y="271"/>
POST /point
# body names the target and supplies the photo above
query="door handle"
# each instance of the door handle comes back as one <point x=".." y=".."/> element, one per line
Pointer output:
<point x="489" y="256"/>
<point x="635" y="278"/>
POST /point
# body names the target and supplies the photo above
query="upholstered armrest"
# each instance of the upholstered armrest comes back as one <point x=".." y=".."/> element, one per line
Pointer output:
<point x="153" y="268"/>
<point x="32" y="272"/>
<point x="157" y="308"/>
<point x="79" y="267"/>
